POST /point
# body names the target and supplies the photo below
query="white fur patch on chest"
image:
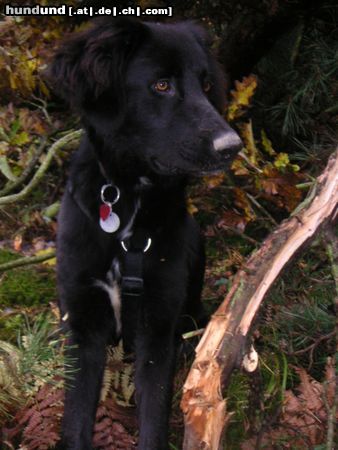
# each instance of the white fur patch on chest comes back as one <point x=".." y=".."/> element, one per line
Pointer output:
<point x="112" y="288"/>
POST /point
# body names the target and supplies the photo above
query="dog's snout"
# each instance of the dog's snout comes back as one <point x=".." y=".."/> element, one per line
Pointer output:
<point x="228" y="141"/>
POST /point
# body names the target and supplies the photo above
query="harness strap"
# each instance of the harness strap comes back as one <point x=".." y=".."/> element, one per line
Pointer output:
<point x="132" y="286"/>
<point x="132" y="276"/>
<point x="132" y="264"/>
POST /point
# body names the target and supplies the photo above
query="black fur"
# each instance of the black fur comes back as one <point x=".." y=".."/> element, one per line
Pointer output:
<point x="148" y="143"/>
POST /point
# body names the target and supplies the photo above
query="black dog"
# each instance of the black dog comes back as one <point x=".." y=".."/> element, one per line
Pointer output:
<point x="130" y="257"/>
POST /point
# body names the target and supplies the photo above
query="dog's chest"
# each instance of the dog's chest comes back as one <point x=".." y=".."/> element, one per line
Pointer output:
<point x="111" y="282"/>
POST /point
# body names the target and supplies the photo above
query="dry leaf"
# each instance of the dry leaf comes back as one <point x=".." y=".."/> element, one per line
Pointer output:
<point x="214" y="180"/>
<point x="230" y="219"/>
<point x="17" y="244"/>
<point x="192" y="209"/>
<point x="239" y="167"/>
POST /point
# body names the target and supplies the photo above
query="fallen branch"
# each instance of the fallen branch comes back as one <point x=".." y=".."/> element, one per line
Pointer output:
<point x="222" y="346"/>
<point x="12" y="185"/>
<point x="61" y="143"/>
<point x="27" y="260"/>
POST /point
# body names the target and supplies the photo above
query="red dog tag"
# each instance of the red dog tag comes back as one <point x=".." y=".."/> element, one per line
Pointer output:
<point x="104" y="211"/>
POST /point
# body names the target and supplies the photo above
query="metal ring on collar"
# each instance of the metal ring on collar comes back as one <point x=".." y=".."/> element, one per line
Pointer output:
<point x="146" y="248"/>
<point x="118" y="193"/>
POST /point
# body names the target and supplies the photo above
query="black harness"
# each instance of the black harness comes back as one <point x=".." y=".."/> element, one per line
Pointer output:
<point x="132" y="260"/>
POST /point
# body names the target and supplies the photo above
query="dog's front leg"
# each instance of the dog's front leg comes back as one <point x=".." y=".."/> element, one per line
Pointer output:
<point x="155" y="363"/>
<point x="87" y="354"/>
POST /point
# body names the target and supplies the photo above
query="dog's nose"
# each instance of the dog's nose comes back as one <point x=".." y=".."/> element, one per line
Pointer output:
<point x="228" y="141"/>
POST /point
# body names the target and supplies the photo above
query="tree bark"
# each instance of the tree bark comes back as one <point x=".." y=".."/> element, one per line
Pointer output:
<point x="222" y="346"/>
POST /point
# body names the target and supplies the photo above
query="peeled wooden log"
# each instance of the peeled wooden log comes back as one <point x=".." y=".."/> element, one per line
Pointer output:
<point x="222" y="347"/>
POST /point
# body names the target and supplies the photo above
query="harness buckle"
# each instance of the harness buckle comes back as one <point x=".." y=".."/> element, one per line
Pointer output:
<point x="132" y="286"/>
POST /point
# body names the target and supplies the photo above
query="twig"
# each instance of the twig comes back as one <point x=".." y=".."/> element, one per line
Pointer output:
<point x="249" y="163"/>
<point x="305" y="185"/>
<point x="310" y="196"/>
<point x="27" y="260"/>
<point x="192" y="334"/>
<point x="64" y="141"/>
<point x="331" y="415"/>
<point x="239" y="233"/>
<point x="42" y="104"/>
<point x="260" y="207"/>
<point x="314" y="345"/>
<point x="26" y="172"/>
<point x="332" y="251"/>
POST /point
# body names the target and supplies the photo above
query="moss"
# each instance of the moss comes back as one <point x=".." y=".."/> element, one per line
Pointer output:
<point x="27" y="286"/>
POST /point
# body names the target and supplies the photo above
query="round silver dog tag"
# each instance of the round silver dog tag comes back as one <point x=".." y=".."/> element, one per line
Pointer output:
<point x="111" y="224"/>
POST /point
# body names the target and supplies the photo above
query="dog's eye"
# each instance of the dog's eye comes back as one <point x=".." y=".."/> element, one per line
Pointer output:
<point x="206" y="86"/>
<point x="162" y="86"/>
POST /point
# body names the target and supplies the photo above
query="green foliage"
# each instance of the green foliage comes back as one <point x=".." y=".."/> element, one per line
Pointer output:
<point x="32" y="389"/>
<point x="35" y="361"/>
<point x="301" y="316"/>
<point x="303" y="69"/>
<point x="10" y="323"/>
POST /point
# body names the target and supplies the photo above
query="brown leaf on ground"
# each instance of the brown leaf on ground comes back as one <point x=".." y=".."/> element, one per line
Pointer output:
<point x="109" y="433"/>
<point x="231" y="219"/>
<point x="37" y="425"/>
<point x="280" y="188"/>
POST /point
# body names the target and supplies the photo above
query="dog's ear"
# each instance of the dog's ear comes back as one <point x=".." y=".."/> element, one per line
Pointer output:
<point x="203" y="37"/>
<point x="91" y="64"/>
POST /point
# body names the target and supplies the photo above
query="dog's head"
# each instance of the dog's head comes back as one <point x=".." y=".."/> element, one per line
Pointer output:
<point x="151" y="95"/>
